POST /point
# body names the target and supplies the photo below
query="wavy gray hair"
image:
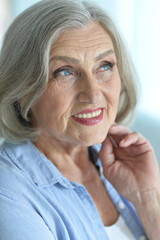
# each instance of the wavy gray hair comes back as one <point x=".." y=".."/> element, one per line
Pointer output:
<point x="24" y="61"/>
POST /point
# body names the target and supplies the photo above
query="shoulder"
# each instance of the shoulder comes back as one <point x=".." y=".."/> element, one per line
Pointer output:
<point x="18" y="220"/>
<point x="21" y="204"/>
<point x="13" y="179"/>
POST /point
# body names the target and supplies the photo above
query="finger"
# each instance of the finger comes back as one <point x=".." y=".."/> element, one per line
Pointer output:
<point x="106" y="153"/>
<point x="107" y="146"/>
<point x="117" y="133"/>
<point x="132" y="138"/>
<point x="118" y="130"/>
<point x="112" y="141"/>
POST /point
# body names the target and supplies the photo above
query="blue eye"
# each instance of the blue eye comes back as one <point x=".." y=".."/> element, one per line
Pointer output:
<point x="64" y="73"/>
<point x="61" y="73"/>
<point x="105" y="67"/>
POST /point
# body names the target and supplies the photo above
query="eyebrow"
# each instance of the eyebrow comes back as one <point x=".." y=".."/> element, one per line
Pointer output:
<point x="105" y="54"/>
<point x="76" y="61"/>
<point x="65" y="58"/>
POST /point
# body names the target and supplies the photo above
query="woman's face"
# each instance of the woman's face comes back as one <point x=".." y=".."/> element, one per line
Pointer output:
<point x="80" y="102"/>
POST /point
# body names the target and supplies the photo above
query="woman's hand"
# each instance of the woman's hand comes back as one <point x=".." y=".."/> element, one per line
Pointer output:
<point x="131" y="167"/>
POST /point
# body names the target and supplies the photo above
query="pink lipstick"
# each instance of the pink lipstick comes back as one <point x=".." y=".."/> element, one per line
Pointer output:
<point x="89" y="117"/>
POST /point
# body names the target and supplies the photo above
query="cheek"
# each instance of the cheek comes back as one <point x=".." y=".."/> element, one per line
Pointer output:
<point x="61" y="101"/>
<point x="111" y="92"/>
<point x="53" y="102"/>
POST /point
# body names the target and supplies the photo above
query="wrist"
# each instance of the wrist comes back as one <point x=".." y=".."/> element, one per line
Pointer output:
<point x="148" y="205"/>
<point x="148" y="209"/>
<point x="146" y="197"/>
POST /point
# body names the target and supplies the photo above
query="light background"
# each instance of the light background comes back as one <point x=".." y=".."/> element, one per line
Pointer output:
<point x="139" y="23"/>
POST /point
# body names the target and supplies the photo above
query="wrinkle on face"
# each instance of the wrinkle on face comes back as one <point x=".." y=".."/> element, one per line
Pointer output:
<point x="64" y="98"/>
<point x="88" y="47"/>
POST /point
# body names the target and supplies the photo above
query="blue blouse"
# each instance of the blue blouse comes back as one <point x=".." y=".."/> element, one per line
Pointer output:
<point x="37" y="202"/>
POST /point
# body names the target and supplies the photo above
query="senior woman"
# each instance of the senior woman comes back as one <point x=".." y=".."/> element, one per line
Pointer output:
<point x="67" y="169"/>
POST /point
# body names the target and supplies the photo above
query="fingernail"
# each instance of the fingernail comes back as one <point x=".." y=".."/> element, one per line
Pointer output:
<point x="122" y="142"/>
<point x="112" y="141"/>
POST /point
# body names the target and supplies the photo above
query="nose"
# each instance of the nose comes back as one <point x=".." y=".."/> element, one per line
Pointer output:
<point x="89" y="90"/>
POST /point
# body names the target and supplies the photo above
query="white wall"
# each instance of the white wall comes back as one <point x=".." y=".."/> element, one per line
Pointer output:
<point x="5" y="17"/>
<point x="19" y="5"/>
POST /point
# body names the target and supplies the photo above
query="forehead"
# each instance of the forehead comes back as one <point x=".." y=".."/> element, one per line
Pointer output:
<point x="91" y="37"/>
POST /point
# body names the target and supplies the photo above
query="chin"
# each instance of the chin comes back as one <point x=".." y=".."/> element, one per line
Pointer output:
<point x="94" y="139"/>
<point x="97" y="141"/>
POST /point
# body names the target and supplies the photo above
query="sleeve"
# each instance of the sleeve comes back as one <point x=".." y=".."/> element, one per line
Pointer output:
<point x="19" y="222"/>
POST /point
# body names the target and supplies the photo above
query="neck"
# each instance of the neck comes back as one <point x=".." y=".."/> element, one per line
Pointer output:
<point x="68" y="158"/>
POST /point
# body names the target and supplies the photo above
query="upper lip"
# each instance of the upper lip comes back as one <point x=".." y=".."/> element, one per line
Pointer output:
<point x="88" y="111"/>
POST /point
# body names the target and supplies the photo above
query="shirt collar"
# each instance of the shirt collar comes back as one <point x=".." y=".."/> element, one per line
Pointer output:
<point x="42" y="172"/>
<point x="27" y="157"/>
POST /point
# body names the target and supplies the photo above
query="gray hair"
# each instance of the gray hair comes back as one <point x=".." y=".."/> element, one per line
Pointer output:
<point x="24" y="61"/>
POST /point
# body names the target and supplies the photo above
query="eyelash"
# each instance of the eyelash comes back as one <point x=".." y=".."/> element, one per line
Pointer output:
<point x="109" y="64"/>
<point x="68" y="68"/>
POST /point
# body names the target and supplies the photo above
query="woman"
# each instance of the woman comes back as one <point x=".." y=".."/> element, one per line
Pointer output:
<point x="65" y="79"/>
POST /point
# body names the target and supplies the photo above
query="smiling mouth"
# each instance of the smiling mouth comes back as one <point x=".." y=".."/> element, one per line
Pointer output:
<point x="89" y="117"/>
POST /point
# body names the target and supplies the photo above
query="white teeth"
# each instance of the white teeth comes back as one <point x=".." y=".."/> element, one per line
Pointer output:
<point x="93" y="114"/>
<point x="88" y="115"/>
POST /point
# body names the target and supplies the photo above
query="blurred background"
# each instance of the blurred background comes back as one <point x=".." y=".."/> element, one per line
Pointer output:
<point x="139" y="23"/>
